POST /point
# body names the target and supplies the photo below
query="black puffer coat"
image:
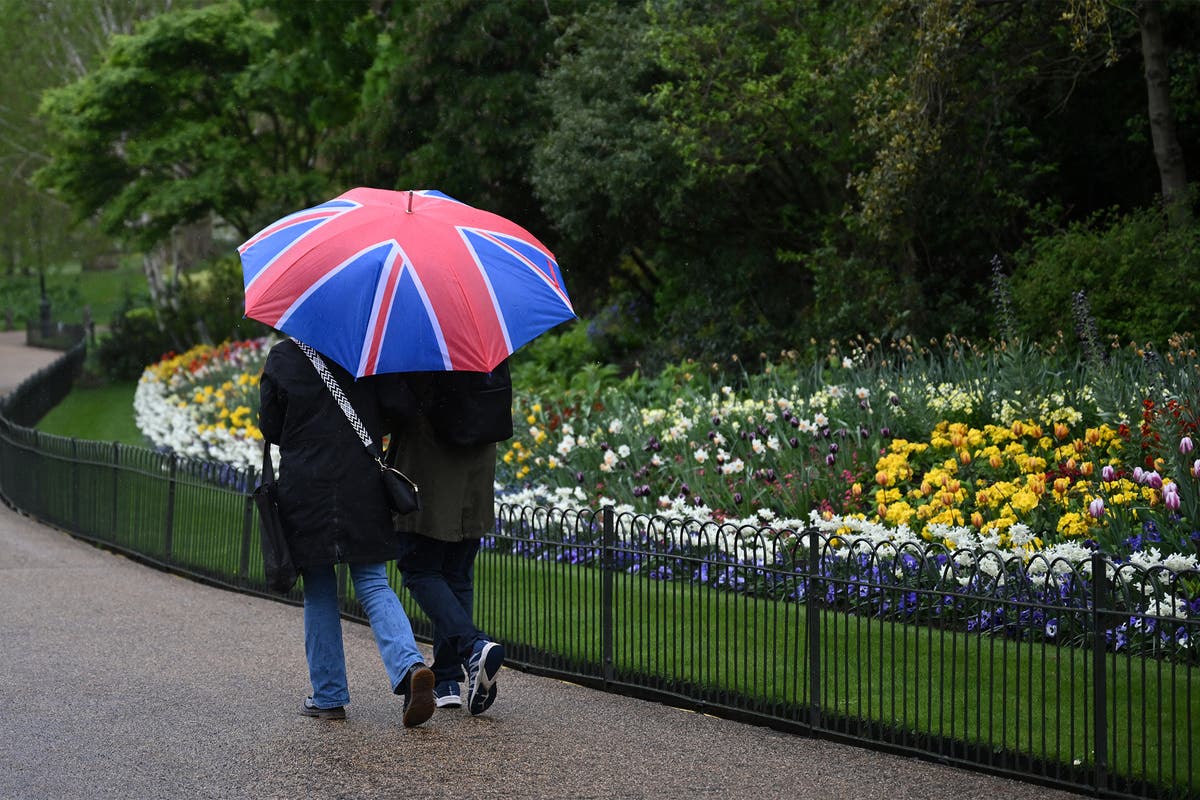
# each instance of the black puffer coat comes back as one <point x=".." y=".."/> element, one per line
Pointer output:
<point x="330" y="493"/>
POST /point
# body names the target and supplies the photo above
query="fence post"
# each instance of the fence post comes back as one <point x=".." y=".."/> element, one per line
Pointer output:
<point x="1099" y="684"/>
<point x="813" y="623"/>
<point x="247" y="521"/>
<point x="170" y="525"/>
<point x="76" y="523"/>
<point x="116" y="472"/>
<point x="607" y="577"/>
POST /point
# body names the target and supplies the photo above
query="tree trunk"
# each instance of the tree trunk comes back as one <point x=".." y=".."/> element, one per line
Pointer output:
<point x="1167" y="151"/>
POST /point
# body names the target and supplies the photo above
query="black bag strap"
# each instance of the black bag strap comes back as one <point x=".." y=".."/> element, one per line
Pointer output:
<point x="268" y="469"/>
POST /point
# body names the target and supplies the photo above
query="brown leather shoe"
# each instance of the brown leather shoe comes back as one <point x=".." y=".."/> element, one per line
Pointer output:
<point x="419" y="703"/>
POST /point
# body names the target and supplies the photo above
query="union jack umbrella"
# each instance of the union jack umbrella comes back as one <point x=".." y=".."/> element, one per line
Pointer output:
<point x="384" y="281"/>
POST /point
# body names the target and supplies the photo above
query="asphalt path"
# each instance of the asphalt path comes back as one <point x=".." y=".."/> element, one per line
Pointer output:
<point x="118" y="680"/>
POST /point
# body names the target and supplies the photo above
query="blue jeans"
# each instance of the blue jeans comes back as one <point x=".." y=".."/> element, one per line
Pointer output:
<point x="323" y="630"/>
<point x="441" y="577"/>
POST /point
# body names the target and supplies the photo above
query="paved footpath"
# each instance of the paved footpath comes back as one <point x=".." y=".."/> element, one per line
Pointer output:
<point x="121" y="681"/>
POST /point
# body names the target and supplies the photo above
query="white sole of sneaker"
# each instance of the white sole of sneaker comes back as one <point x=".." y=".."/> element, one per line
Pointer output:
<point x="483" y="693"/>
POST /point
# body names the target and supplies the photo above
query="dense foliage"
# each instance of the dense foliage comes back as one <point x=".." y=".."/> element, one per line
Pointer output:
<point x="714" y="177"/>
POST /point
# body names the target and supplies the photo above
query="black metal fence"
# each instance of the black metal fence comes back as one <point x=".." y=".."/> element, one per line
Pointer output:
<point x="1079" y="675"/>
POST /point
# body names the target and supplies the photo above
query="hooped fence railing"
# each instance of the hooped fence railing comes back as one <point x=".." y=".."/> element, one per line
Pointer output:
<point x="1084" y="676"/>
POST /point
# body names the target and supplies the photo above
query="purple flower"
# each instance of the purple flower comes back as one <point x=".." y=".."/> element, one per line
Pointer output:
<point x="1171" y="496"/>
<point x="1108" y="474"/>
<point x="1185" y="445"/>
<point x="1096" y="508"/>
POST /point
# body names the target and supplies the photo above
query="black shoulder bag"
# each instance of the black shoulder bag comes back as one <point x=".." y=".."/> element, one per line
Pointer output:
<point x="278" y="569"/>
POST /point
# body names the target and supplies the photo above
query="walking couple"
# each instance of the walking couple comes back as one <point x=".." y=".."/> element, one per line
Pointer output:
<point x="443" y="428"/>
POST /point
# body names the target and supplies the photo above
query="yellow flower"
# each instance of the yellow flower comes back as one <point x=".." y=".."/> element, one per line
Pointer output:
<point x="1072" y="524"/>
<point x="1024" y="501"/>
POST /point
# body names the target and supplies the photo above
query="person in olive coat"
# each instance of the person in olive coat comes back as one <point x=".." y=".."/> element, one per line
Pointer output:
<point x="449" y="449"/>
<point x="334" y="510"/>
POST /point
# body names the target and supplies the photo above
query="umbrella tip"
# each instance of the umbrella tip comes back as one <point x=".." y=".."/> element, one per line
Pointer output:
<point x="410" y="201"/>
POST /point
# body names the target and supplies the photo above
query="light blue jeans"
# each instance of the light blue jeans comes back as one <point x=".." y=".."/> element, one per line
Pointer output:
<point x="323" y="630"/>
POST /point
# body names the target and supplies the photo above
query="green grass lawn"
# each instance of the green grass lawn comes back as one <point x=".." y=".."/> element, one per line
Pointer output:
<point x="70" y="289"/>
<point x="1033" y="698"/>
<point x="102" y="414"/>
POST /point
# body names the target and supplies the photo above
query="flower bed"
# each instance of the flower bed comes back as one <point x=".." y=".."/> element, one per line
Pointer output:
<point x="1008" y="488"/>
<point x="204" y="403"/>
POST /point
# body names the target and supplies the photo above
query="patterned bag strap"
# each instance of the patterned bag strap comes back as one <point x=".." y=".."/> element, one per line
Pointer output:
<point x="340" y="396"/>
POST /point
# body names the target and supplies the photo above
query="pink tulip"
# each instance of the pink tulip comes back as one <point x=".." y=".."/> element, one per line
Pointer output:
<point x="1171" y="496"/>
<point x="1109" y="474"/>
<point x="1185" y="445"/>
<point x="1196" y="468"/>
<point x="1096" y="508"/>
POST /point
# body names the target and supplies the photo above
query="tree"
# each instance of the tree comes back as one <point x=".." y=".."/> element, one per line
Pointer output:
<point x="1168" y="152"/>
<point x="47" y="44"/>
<point x="451" y="102"/>
<point x="603" y="168"/>
<point x="205" y="111"/>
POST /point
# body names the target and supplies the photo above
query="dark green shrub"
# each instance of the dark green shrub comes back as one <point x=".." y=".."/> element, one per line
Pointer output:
<point x="134" y="340"/>
<point x="1137" y="272"/>
<point x="209" y="307"/>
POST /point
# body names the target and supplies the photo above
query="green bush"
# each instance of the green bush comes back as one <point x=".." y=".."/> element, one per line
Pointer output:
<point x="134" y="340"/>
<point x="562" y="361"/>
<point x="1136" y="271"/>
<point x="208" y="307"/>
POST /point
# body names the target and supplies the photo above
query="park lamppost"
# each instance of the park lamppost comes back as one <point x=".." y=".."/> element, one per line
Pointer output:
<point x="44" y="308"/>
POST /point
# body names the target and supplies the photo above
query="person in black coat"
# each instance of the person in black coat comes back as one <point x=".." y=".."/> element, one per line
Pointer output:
<point x="334" y="510"/>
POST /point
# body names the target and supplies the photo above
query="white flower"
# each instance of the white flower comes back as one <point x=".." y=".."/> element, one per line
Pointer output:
<point x="700" y="455"/>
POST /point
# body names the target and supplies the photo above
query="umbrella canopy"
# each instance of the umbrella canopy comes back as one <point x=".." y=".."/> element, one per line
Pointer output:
<point x="384" y="281"/>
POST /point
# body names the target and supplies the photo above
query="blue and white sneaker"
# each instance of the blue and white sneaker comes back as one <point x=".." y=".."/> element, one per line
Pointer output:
<point x="447" y="694"/>
<point x="482" y="669"/>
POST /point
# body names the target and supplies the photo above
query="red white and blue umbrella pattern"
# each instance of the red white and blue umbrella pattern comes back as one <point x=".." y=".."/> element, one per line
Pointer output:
<point x="384" y="281"/>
